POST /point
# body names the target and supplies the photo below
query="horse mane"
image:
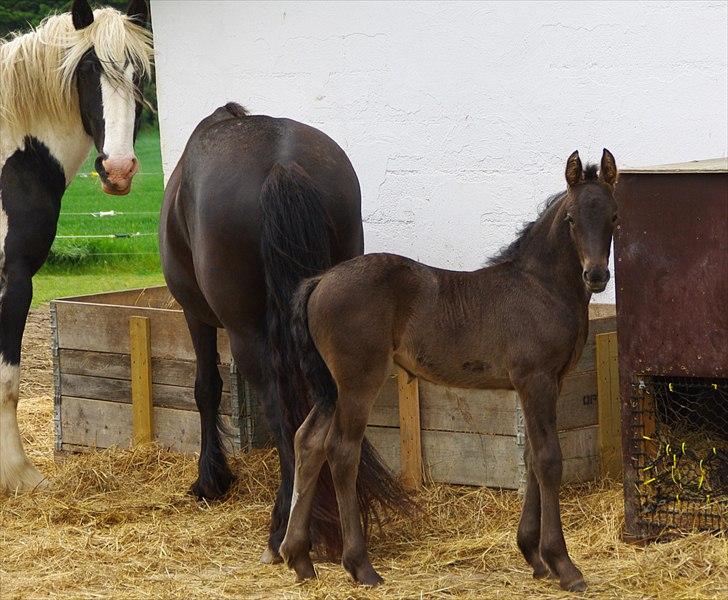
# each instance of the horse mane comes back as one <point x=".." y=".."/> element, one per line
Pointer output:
<point x="236" y="110"/>
<point x="510" y="253"/>
<point x="37" y="69"/>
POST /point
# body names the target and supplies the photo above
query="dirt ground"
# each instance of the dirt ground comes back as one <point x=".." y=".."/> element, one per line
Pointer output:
<point x="118" y="524"/>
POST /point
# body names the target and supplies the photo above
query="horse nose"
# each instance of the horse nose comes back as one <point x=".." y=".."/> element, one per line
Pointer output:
<point x="119" y="172"/>
<point x="596" y="275"/>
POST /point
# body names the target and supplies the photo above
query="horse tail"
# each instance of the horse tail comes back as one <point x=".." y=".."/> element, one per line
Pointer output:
<point x="295" y="244"/>
<point x="378" y="490"/>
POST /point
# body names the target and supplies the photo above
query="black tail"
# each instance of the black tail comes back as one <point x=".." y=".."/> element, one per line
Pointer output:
<point x="295" y="244"/>
<point x="377" y="487"/>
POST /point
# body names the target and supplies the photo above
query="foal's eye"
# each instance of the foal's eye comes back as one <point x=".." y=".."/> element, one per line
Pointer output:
<point x="614" y="218"/>
<point x="569" y="219"/>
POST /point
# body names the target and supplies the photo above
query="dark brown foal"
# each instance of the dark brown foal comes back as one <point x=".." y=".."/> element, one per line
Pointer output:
<point x="521" y="322"/>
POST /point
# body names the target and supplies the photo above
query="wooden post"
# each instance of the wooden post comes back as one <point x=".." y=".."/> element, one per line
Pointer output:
<point x="409" y="429"/>
<point x="610" y="437"/>
<point x="141" y="380"/>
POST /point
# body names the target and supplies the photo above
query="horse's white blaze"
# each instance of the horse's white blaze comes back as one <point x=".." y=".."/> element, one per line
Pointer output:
<point x="16" y="472"/>
<point x="119" y="116"/>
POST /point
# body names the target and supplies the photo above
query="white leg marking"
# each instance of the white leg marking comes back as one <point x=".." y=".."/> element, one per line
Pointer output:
<point x="16" y="471"/>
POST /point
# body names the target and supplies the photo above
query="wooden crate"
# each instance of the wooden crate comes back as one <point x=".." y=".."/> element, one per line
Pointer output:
<point x="92" y="372"/>
<point x="476" y="437"/>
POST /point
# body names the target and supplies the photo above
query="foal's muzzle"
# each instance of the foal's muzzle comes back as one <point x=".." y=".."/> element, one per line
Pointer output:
<point x="596" y="279"/>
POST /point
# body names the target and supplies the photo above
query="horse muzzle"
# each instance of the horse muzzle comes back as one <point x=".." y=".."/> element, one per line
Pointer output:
<point x="116" y="174"/>
<point x="596" y="279"/>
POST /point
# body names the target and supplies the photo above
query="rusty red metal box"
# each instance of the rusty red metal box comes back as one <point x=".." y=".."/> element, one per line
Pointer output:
<point x="671" y="271"/>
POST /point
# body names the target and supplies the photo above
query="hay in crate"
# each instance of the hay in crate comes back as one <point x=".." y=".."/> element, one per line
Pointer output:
<point x="118" y="523"/>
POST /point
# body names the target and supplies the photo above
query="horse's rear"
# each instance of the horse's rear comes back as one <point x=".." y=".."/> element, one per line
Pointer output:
<point x="254" y="205"/>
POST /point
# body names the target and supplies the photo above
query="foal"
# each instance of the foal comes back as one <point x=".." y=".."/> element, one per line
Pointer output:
<point x="521" y="322"/>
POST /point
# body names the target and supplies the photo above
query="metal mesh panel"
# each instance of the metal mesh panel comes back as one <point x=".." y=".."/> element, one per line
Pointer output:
<point x="679" y="435"/>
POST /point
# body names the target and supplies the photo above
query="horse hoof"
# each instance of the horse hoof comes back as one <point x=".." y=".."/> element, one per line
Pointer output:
<point x="208" y="491"/>
<point x="579" y="585"/>
<point x="269" y="557"/>
<point x="24" y="479"/>
<point x="367" y="576"/>
<point x="541" y="572"/>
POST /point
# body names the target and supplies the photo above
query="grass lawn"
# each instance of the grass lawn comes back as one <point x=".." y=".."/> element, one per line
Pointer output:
<point x="88" y="265"/>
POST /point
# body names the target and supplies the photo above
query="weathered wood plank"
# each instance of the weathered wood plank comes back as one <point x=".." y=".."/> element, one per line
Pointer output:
<point x="117" y="366"/>
<point x="489" y="460"/>
<point x="119" y="390"/>
<point x="104" y="328"/>
<point x="587" y="361"/>
<point x="486" y="411"/>
<point x="141" y="380"/>
<point x="99" y="424"/>
<point x="151" y="297"/>
<point x="577" y="403"/>
<point x="410" y="443"/>
<point x="610" y="434"/>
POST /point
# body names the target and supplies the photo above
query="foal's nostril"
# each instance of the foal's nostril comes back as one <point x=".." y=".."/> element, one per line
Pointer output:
<point x="596" y="275"/>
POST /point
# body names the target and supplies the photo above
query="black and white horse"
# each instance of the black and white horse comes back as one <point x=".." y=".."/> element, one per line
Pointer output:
<point x="69" y="84"/>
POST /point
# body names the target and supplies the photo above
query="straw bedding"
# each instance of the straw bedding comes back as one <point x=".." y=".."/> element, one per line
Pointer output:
<point x="118" y="524"/>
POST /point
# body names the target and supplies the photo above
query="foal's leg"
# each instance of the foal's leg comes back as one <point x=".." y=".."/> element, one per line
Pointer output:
<point x="343" y="451"/>
<point x="310" y="457"/>
<point x="538" y="393"/>
<point x="529" y="527"/>
<point x="16" y="471"/>
<point x="214" y="475"/>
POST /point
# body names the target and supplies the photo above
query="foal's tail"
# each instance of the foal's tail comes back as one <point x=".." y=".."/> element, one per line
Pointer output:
<point x="376" y="486"/>
<point x="295" y="244"/>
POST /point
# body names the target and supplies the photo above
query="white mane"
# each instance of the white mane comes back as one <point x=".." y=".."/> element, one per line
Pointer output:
<point x="37" y="69"/>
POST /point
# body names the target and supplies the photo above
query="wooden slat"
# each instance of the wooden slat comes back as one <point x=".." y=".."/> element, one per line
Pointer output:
<point x="410" y="442"/>
<point x="119" y="390"/>
<point x="141" y="380"/>
<point x="485" y="411"/>
<point x="166" y="371"/>
<point x="152" y="297"/>
<point x="610" y="435"/>
<point x="103" y="328"/>
<point x="587" y="361"/>
<point x="487" y="460"/>
<point x="98" y="424"/>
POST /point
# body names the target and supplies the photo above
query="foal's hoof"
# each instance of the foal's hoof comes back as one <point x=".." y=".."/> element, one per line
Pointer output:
<point x="578" y="585"/>
<point x="366" y="575"/>
<point x="269" y="557"/>
<point x="541" y="572"/>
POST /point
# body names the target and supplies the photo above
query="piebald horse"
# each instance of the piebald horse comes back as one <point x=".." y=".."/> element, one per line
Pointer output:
<point x="72" y="83"/>
<point x="520" y="322"/>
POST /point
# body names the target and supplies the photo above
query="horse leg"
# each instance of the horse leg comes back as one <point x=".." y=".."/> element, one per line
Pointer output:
<point x="343" y="451"/>
<point x="529" y="527"/>
<point x="16" y="471"/>
<point x="310" y="457"/>
<point x="214" y="476"/>
<point x="538" y="394"/>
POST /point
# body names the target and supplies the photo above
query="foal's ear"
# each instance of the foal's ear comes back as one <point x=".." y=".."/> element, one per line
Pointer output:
<point x="81" y="14"/>
<point x="138" y="11"/>
<point x="574" y="170"/>
<point x="608" y="168"/>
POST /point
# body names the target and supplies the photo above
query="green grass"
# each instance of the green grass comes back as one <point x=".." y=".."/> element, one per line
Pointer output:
<point x="83" y="265"/>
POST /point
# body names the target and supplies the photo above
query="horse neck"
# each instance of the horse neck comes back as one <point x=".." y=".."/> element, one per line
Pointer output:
<point x="549" y="255"/>
<point x="67" y="141"/>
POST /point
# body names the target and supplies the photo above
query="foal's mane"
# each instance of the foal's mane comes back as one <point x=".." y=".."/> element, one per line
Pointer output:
<point x="512" y="251"/>
<point x="37" y="69"/>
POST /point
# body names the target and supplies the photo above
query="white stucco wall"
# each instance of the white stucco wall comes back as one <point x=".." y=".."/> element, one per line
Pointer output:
<point x="458" y="117"/>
